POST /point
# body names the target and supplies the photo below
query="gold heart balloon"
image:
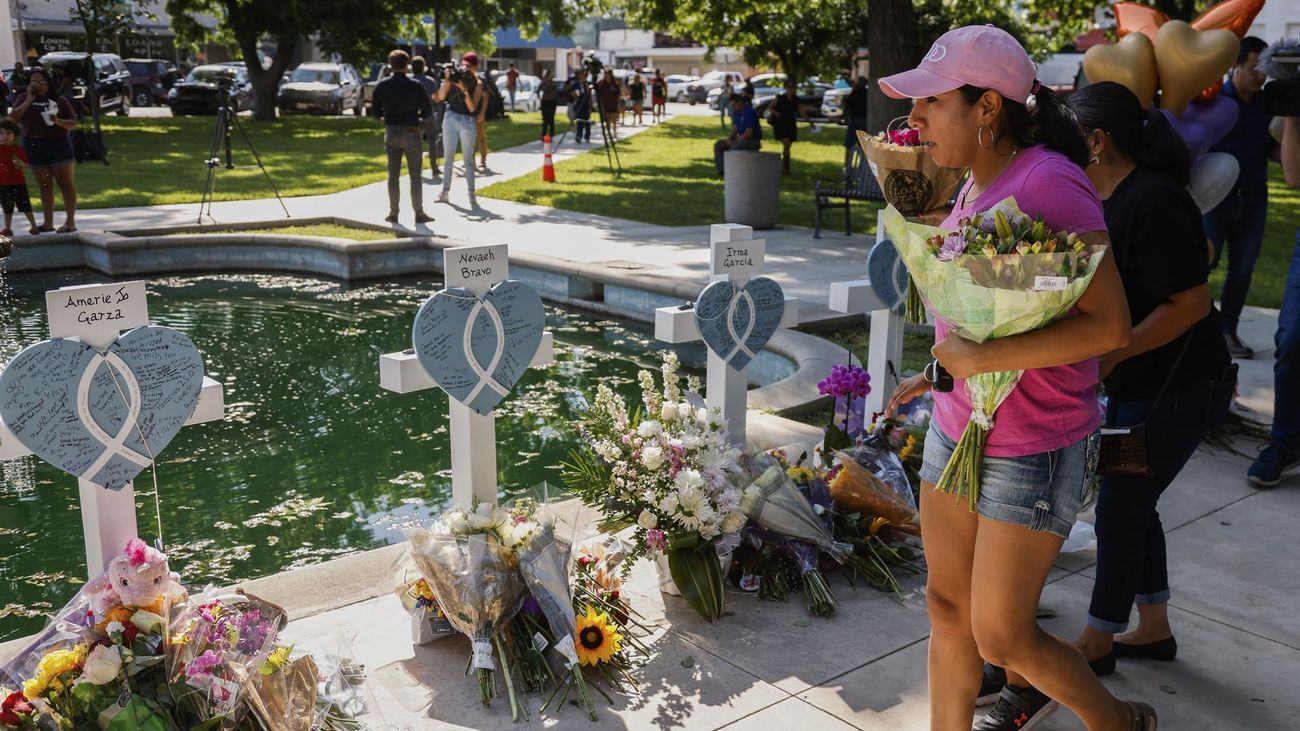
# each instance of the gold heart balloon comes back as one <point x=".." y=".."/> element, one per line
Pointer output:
<point x="1131" y="62"/>
<point x="1189" y="60"/>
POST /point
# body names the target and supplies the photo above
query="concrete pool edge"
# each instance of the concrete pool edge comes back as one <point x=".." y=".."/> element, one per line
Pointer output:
<point x="787" y="371"/>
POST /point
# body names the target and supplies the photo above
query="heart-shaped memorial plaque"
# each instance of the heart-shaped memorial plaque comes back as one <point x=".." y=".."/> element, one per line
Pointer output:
<point x="736" y="322"/>
<point x="476" y="349"/>
<point x="102" y="416"/>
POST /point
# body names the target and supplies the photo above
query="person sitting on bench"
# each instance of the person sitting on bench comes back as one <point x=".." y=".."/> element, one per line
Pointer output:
<point x="746" y="134"/>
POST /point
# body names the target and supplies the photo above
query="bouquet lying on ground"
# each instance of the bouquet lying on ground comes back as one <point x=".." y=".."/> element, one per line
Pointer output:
<point x="668" y="470"/>
<point x="795" y="521"/>
<point x="1000" y="273"/>
<point x="134" y="652"/>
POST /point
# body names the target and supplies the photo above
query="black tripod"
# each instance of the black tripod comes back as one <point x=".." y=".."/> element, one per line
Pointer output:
<point x="222" y="134"/>
<point x="611" y="145"/>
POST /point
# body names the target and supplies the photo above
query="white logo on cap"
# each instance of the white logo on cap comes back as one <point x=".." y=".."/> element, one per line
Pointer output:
<point x="937" y="53"/>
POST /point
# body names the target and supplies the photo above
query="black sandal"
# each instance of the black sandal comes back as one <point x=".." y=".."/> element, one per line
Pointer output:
<point x="67" y="229"/>
<point x="47" y="228"/>
<point x="1165" y="650"/>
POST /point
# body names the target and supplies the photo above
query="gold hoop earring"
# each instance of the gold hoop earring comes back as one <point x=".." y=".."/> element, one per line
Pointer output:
<point x="979" y="137"/>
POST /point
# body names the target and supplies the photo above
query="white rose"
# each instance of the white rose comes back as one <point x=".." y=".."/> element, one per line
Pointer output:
<point x="101" y="667"/>
<point x="649" y="428"/>
<point x="458" y="522"/>
<point x="692" y="442"/>
<point x="669" y="412"/>
<point x="148" y="622"/>
<point x="733" y="522"/>
<point x="652" y="457"/>
<point x="688" y="478"/>
<point x="702" y="415"/>
<point x="647" y="520"/>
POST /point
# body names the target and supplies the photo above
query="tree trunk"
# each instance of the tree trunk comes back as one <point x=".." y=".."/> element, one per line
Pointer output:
<point x="893" y="44"/>
<point x="266" y="82"/>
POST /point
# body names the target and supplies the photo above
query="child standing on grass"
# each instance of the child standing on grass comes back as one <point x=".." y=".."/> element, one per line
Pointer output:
<point x="13" y="185"/>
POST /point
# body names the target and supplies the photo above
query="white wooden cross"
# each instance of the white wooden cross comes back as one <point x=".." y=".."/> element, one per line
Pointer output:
<point x="885" y="347"/>
<point x="473" y="436"/>
<point x="726" y="387"/>
<point x="107" y="517"/>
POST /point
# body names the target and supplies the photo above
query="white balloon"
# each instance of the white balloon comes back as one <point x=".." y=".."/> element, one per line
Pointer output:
<point x="1213" y="177"/>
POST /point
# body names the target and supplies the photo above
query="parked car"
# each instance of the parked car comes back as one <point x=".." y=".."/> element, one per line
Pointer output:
<point x="150" y="80"/>
<point x="809" y="95"/>
<point x="526" y="89"/>
<point x="200" y="91"/>
<point x="1060" y="71"/>
<point x="698" y="91"/>
<point x="112" y="79"/>
<point x="677" y="84"/>
<point x="321" y="88"/>
<point x="378" y="72"/>
<point x="765" y="85"/>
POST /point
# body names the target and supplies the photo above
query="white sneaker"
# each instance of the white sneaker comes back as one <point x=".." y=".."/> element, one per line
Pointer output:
<point x="442" y="197"/>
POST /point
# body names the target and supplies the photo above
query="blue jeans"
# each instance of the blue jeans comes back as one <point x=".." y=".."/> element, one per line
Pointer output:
<point x="582" y="127"/>
<point x="462" y="129"/>
<point x="1286" y="370"/>
<point x="1237" y="224"/>
<point x="1130" y="538"/>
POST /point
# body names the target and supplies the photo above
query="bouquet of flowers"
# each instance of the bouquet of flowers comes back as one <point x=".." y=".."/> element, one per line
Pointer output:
<point x="217" y="648"/>
<point x="428" y="622"/>
<point x="849" y="385"/>
<point x="1000" y="273"/>
<point x="609" y="629"/>
<point x="470" y="562"/>
<point x="299" y="692"/>
<point x="668" y="470"/>
<point x="909" y="177"/>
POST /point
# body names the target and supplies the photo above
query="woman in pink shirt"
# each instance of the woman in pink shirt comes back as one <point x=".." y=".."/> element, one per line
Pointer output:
<point x="979" y="106"/>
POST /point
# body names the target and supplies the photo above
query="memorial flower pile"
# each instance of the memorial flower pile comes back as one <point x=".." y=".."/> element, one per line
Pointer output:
<point x="999" y="274"/>
<point x="667" y="470"/>
<point x="206" y="661"/>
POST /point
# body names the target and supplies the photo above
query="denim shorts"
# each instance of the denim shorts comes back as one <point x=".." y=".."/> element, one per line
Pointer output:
<point x="1042" y="492"/>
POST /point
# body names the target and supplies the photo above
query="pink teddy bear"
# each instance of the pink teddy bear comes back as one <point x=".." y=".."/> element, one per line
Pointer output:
<point x="137" y="578"/>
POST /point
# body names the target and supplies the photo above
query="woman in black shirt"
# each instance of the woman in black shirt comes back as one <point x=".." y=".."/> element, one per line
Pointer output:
<point x="784" y="118"/>
<point x="1140" y="167"/>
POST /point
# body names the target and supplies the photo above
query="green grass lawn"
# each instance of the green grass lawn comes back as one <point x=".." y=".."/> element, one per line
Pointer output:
<point x="161" y="160"/>
<point x="331" y="230"/>
<point x="668" y="178"/>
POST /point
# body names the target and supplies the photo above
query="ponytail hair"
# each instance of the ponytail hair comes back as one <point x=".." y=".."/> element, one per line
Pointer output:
<point x="1143" y="136"/>
<point x="1050" y="123"/>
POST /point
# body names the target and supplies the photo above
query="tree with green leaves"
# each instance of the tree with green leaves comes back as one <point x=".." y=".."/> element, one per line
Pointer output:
<point x="356" y="30"/>
<point x="802" y="38"/>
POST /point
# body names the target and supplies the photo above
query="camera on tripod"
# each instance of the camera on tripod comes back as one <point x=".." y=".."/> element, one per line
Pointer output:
<point x="592" y="65"/>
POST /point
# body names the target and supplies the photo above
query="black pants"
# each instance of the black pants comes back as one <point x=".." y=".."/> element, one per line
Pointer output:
<point x="548" y="118"/>
<point x="1130" y="537"/>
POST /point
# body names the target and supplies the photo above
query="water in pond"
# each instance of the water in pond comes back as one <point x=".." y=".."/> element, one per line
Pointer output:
<point x="314" y="460"/>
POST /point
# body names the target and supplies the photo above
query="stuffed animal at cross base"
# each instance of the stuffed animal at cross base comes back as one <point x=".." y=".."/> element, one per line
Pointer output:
<point x="137" y="578"/>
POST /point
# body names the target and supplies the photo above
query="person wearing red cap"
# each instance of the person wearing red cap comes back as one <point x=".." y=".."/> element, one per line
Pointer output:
<point x="465" y="102"/>
<point x="979" y="106"/>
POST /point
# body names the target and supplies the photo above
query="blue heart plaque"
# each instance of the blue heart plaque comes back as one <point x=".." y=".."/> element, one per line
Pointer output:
<point x="736" y="322"/>
<point x="102" y="416"/>
<point x="476" y="349"/>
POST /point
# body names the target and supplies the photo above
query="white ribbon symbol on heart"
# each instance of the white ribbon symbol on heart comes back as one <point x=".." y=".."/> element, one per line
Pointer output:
<point x="740" y="340"/>
<point x="484" y="375"/>
<point x="113" y="445"/>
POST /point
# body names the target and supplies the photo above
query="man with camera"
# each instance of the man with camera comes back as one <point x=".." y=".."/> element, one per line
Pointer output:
<point x="1280" y="458"/>
<point x="1237" y="224"/>
<point x="404" y="106"/>
<point x="465" y="99"/>
<point x="433" y="124"/>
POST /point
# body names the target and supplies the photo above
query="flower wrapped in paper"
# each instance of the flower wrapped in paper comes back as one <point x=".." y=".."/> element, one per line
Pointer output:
<point x="908" y="175"/>
<point x="1001" y="273"/>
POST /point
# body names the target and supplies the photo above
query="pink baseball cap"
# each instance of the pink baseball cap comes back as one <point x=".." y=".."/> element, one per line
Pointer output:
<point x="982" y="56"/>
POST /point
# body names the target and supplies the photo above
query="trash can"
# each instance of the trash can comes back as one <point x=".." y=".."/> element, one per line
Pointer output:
<point x="753" y="188"/>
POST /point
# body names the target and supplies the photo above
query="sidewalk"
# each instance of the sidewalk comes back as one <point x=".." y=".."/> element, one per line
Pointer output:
<point x="806" y="266"/>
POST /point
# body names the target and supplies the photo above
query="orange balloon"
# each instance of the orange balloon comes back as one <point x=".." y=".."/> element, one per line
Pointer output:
<point x="1233" y="15"/>
<point x="1208" y="94"/>
<point x="1135" y="18"/>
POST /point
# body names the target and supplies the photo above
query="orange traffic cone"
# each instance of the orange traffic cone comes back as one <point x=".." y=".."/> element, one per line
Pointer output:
<point x="548" y="167"/>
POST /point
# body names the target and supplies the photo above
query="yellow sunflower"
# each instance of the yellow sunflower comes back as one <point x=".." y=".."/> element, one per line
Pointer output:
<point x="597" y="640"/>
